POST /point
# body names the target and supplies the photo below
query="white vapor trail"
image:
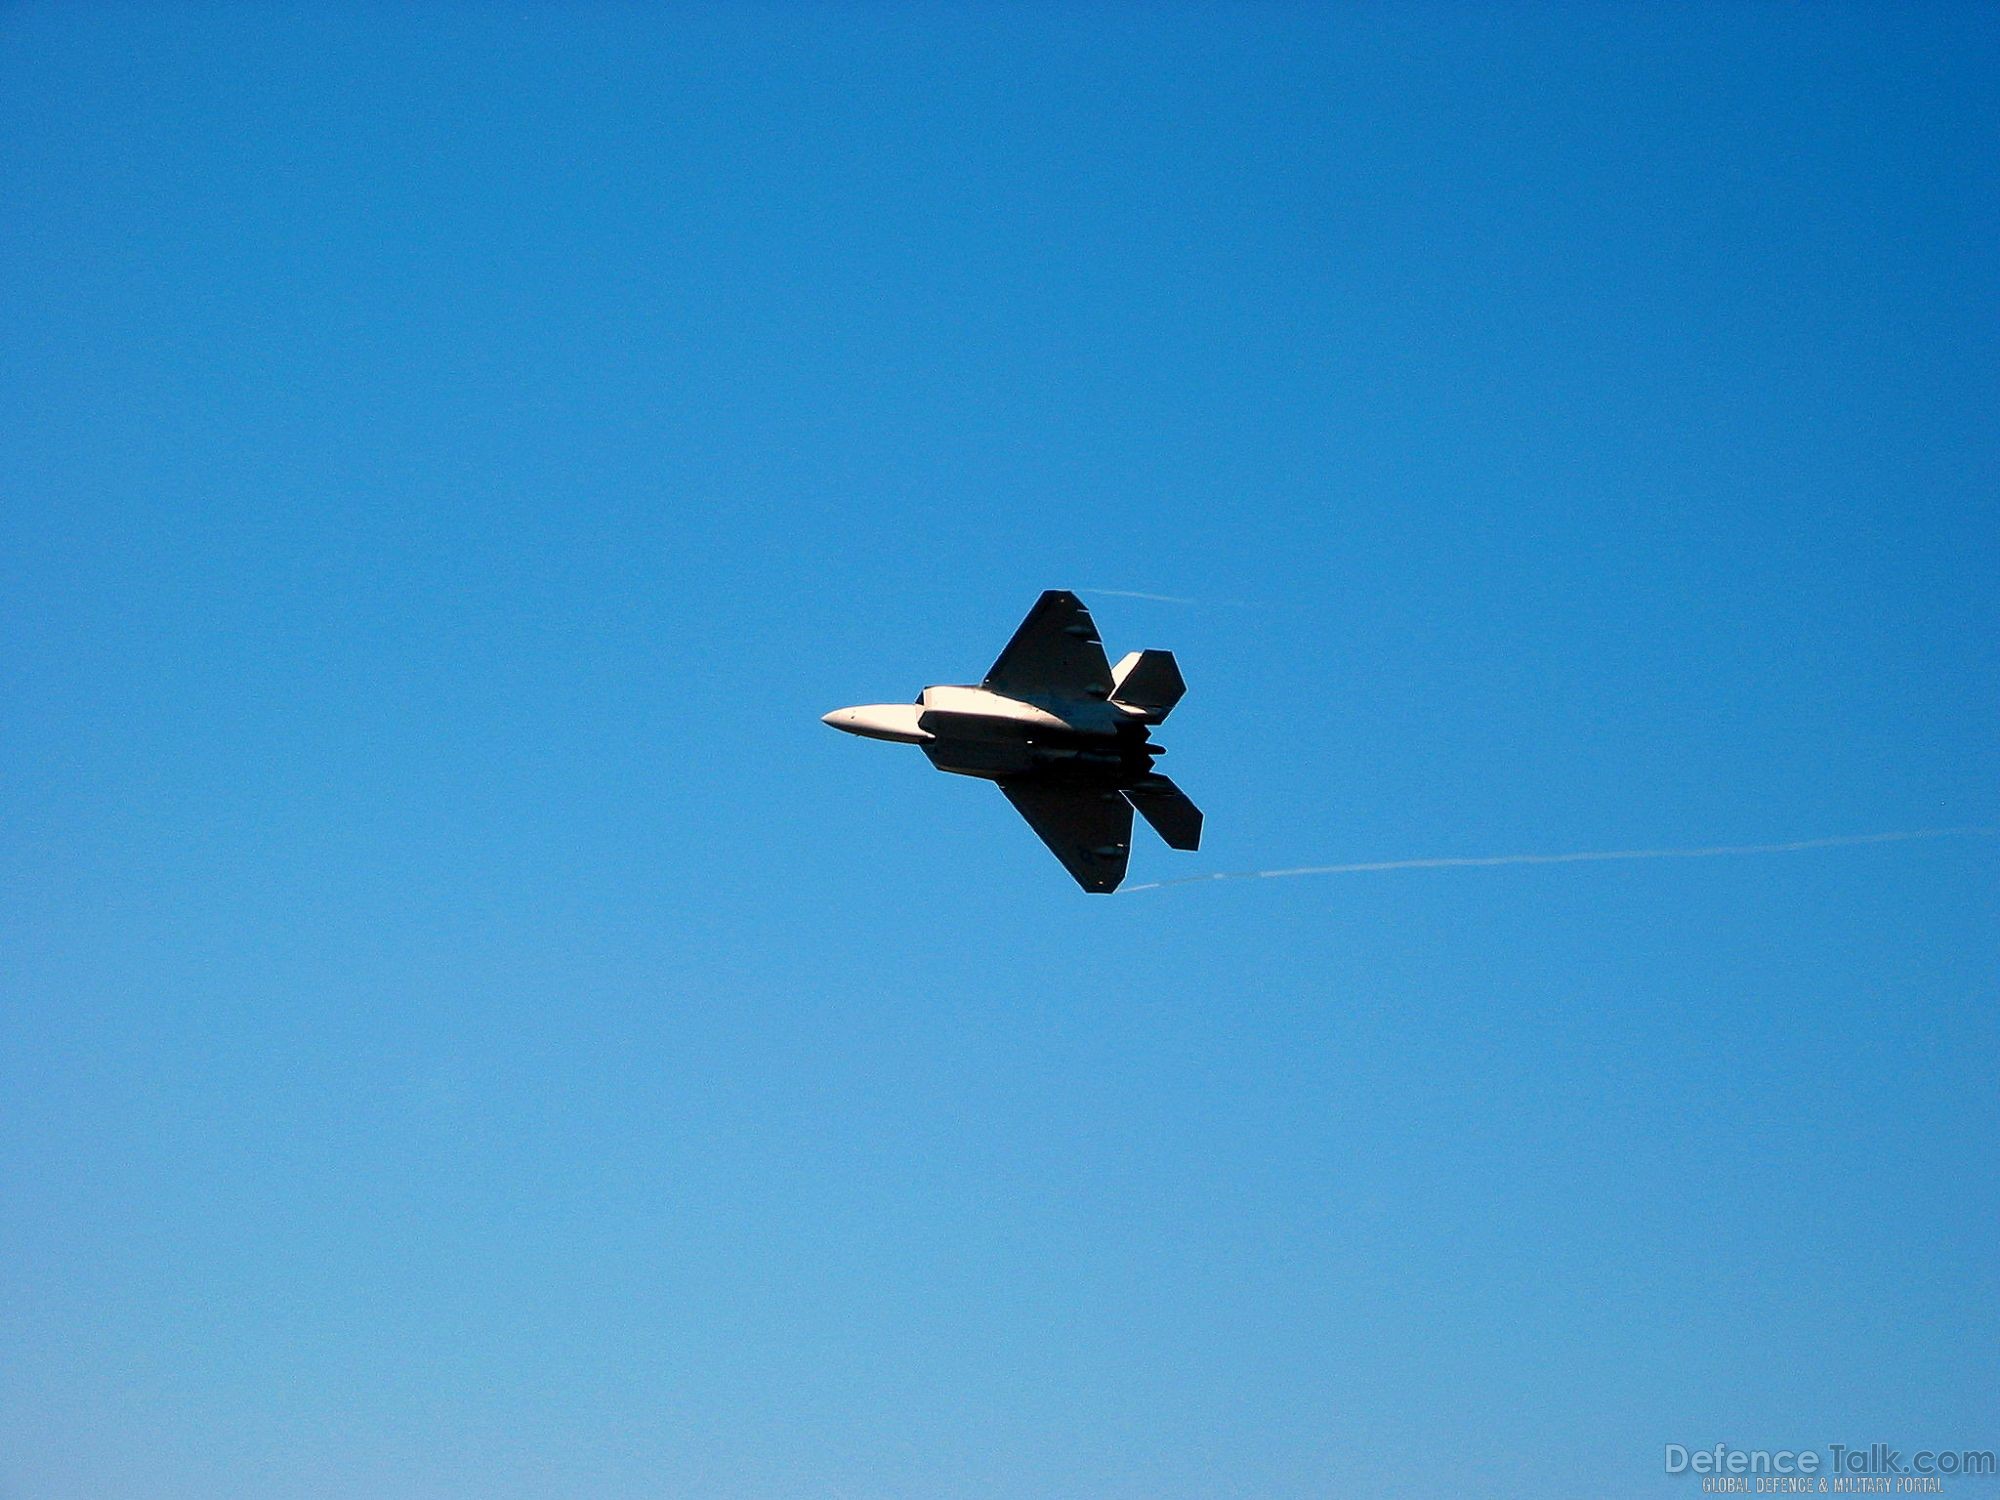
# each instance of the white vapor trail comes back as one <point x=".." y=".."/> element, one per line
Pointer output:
<point x="1712" y="851"/>
<point x="1135" y="594"/>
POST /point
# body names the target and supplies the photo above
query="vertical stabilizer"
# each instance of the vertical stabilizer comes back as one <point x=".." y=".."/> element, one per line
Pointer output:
<point x="1149" y="681"/>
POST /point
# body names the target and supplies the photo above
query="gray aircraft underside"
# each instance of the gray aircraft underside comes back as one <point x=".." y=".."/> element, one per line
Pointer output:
<point x="1064" y="734"/>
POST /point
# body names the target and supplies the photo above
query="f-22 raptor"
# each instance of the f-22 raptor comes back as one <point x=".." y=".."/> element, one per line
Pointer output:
<point x="1065" y="735"/>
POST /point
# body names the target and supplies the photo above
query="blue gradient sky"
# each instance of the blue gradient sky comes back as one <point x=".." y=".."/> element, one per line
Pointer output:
<point x="469" y="1030"/>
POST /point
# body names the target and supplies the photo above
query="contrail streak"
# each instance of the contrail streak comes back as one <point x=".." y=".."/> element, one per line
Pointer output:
<point x="1712" y="851"/>
<point x="1134" y="594"/>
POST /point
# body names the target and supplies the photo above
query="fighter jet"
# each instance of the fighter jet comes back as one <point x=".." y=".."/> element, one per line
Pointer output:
<point x="1064" y="734"/>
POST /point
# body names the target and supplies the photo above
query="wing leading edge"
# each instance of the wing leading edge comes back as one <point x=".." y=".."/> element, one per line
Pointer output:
<point x="1055" y="653"/>
<point x="1088" y="829"/>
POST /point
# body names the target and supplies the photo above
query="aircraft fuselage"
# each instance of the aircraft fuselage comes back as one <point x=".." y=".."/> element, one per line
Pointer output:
<point x="973" y="731"/>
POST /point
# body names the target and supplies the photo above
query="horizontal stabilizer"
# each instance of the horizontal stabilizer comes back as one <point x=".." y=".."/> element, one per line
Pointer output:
<point x="1167" y="808"/>
<point x="1149" y="681"/>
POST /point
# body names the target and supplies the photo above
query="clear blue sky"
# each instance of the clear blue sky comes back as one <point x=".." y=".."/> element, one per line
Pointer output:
<point x="470" y="1031"/>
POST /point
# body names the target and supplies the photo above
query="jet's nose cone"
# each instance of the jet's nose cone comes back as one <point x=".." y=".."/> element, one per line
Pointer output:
<point x="880" y="721"/>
